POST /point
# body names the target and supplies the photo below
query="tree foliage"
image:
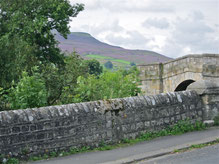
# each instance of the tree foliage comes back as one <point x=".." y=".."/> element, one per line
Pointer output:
<point x="30" y="92"/>
<point x="54" y="81"/>
<point x="94" y="67"/>
<point x="108" y="85"/>
<point x="34" y="20"/>
<point x="27" y="34"/>
<point x="15" y="57"/>
<point x="61" y="83"/>
<point x="74" y="67"/>
<point x="109" y="65"/>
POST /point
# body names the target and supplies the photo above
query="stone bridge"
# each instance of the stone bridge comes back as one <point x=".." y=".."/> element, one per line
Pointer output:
<point x="178" y="74"/>
<point x="37" y="131"/>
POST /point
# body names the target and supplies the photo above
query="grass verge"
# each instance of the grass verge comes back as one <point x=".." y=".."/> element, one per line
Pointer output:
<point x="197" y="146"/>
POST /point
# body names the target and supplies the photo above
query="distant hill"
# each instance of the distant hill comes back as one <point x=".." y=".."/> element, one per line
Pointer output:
<point x="89" y="47"/>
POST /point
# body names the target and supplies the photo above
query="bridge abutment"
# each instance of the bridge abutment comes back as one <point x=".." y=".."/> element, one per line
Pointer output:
<point x="209" y="93"/>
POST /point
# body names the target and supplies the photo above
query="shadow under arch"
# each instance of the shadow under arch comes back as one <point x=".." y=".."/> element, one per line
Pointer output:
<point x="182" y="86"/>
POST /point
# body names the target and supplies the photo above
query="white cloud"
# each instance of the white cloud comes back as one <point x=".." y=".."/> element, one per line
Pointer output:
<point x="112" y="26"/>
<point x="125" y="5"/>
<point x="161" y="23"/>
<point x="197" y="15"/>
<point x="128" y="39"/>
<point x="192" y="35"/>
<point x="170" y="27"/>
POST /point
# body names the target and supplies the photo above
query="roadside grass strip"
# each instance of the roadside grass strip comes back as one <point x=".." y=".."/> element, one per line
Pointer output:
<point x="197" y="146"/>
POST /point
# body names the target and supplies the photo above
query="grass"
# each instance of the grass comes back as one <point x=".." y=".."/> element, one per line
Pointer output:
<point x="121" y="61"/>
<point x="99" y="57"/>
<point x="104" y="59"/>
<point x="179" y="128"/>
<point x="197" y="146"/>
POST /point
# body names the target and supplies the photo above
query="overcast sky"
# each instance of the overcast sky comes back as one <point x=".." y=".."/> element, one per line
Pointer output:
<point x="171" y="27"/>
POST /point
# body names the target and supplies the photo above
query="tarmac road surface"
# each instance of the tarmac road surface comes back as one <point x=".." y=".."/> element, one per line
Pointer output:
<point x="206" y="155"/>
<point x="157" y="147"/>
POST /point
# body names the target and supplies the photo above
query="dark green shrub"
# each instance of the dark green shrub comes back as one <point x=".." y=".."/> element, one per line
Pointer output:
<point x="109" y="65"/>
<point x="94" y="67"/>
<point x="216" y="120"/>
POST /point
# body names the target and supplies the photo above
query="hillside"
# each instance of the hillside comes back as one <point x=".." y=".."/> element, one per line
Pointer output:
<point x="89" y="47"/>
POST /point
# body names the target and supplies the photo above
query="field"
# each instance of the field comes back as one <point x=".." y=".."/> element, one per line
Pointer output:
<point x="103" y="59"/>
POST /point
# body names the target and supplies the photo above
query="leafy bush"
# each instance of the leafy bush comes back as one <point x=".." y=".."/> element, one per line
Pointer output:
<point x="133" y="70"/>
<point x="30" y="92"/>
<point x="108" y="85"/>
<point x="109" y="65"/>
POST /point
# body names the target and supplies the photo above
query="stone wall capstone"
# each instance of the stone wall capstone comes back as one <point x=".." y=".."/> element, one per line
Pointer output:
<point x="55" y="128"/>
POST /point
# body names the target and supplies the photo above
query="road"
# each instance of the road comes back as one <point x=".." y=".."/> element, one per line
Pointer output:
<point x="206" y="155"/>
<point x="143" y="150"/>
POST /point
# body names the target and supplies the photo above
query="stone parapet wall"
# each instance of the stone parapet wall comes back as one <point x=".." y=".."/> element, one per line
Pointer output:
<point x="190" y="63"/>
<point x="53" y="128"/>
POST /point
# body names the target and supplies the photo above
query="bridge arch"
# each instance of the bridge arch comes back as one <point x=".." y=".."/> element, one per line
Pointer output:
<point x="180" y="82"/>
<point x="183" y="85"/>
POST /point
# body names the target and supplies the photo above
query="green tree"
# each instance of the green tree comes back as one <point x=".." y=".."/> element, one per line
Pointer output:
<point x="94" y="67"/>
<point x="27" y="30"/>
<point x="35" y="20"/>
<point x="109" y="65"/>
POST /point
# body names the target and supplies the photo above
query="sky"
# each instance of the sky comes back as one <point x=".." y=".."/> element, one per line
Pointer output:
<point x="173" y="28"/>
